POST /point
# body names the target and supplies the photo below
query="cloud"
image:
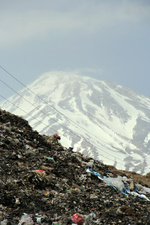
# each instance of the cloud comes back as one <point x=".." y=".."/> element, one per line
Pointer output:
<point x="17" y="27"/>
<point x="86" y="71"/>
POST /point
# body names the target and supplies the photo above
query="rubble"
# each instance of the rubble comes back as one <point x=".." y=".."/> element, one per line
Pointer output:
<point x="41" y="182"/>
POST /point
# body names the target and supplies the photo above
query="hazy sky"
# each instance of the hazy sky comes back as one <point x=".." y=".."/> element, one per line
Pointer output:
<point x="105" y="39"/>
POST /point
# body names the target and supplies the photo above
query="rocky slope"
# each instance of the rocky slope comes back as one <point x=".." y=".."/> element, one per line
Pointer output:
<point x="102" y="120"/>
<point x="54" y="185"/>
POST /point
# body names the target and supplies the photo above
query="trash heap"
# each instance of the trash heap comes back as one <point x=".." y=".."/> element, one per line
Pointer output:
<point x="41" y="182"/>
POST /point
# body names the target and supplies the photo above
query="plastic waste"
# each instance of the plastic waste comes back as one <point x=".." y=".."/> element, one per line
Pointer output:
<point x="89" y="164"/>
<point x="50" y="159"/>
<point x="41" y="172"/>
<point x="89" y="219"/>
<point x="47" y="193"/>
<point x="57" y="137"/>
<point x="26" y="220"/>
<point x="137" y="194"/>
<point x="94" y="173"/>
<point x="56" y="223"/>
<point x="4" y="222"/>
<point x="115" y="182"/>
<point x="39" y="219"/>
<point x="77" y="219"/>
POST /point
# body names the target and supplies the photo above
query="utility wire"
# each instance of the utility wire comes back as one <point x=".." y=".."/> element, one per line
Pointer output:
<point x="27" y="113"/>
<point x="44" y="123"/>
<point x="24" y="111"/>
<point x="35" y="107"/>
<point x="48" y="115"/>
<point x="47" y="103"/>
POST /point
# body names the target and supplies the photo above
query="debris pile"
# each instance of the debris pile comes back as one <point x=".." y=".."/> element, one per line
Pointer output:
<point x="41" y="182"/>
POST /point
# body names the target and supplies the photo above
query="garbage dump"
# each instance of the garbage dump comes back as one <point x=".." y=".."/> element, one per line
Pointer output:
<point x="42" y="182"/>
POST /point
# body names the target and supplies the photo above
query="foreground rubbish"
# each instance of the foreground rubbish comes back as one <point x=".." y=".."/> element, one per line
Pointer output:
<point x="26" y="219"/>
<point x="41" y="182"/>
<point x="117" y="183"/>
<point x="77" y="219"/>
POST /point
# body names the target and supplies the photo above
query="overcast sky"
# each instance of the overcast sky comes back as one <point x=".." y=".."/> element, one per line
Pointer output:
<point x="104" y="39"/>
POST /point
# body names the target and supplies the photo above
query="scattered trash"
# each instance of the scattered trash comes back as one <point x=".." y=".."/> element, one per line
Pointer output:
<point x="42" y="183"/>
<point x="89" y="219"/>
<point x="69" y="150"/>
<point x="88" y="164"/>
<point x="117" y="183"/>
<point x="26" y="220"/>
<point x="47" y="193"/>
<point x="77" y="219"/>
<point x="39" y="219"/>
<point x="50" y="159"/>
<point x="4" y="222"/>
<point x="40" y="171"/>
<point x="57" y="137"/>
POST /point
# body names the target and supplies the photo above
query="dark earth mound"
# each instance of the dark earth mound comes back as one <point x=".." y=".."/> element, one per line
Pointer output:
<point x="49" y="183"/>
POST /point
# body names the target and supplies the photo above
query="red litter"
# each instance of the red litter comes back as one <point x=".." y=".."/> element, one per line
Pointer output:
<point x="77" y="219"/>
<point x="40" y="171"/>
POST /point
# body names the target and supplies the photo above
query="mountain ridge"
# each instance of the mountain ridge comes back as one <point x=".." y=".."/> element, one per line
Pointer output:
<point x="103" y="120"/>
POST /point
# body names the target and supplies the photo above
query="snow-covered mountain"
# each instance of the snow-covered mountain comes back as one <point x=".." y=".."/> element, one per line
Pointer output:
<point x="102" y="120"/>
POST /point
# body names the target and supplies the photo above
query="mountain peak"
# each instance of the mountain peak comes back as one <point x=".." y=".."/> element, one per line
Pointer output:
<point x="103" y="120"/>
<point x="57" y="75"/>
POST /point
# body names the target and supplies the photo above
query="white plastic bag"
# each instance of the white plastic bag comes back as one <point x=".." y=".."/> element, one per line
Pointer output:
<point x="26" y="220"/>
<point x="116" y="182"/>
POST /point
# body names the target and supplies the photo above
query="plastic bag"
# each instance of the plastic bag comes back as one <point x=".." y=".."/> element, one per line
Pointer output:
<point x="115" y="182"/>
<point x="26" y="220"/>
<point x="77" y="219"/>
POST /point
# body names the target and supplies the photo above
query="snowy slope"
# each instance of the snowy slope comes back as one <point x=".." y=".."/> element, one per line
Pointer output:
<point x="103" y="120"/>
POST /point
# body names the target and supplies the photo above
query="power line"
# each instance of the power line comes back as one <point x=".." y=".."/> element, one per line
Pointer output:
<point x="48" y="115"/>
<point x="41" y="121"/>
<point x="47" y="103"/>
<point x="35" y="107"/>
<point x="24" y="111"/>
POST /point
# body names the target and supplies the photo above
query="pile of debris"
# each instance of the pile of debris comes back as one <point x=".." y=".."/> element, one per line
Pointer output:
<point x="41" y="182"/>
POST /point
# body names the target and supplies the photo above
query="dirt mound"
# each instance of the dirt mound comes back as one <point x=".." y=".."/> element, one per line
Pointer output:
<point x="41" y="182"/>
